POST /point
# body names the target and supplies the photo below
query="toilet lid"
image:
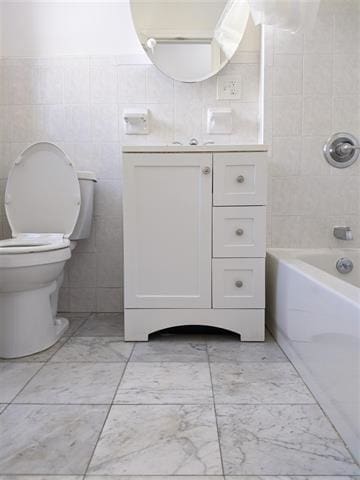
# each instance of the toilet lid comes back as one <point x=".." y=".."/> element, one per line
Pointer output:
<point x="42" y="192"/>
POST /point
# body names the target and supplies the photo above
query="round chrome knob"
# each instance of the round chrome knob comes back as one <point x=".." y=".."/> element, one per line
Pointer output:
<point x="344" y="265"/>
<point x="240" y="179"/>
<point x="206" y="170"/>
<point x="239" y="232"/>
<point x="238" y="283"/>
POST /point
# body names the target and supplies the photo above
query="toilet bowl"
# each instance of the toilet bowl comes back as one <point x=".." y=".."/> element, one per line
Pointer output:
<point x="42" y="204"/>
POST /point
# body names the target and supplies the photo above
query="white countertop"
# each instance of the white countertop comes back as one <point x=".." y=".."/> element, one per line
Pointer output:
<point x="194" y="148"/>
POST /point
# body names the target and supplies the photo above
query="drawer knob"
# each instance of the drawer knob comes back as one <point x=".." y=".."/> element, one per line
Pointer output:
<point x="240" y="179"/>
<point x="239" y="232"/>
<point x="239" y="283"/>
<point x="206" y="170"/>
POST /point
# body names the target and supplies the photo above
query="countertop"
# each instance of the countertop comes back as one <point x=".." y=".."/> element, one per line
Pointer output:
<point x="194" y="148"/>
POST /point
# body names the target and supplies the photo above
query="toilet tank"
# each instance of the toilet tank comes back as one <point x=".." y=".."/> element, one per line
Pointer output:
<point x="82" y="228"/>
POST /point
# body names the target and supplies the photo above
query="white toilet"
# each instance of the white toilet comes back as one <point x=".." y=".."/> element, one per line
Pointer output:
<point x="42" y="204"/>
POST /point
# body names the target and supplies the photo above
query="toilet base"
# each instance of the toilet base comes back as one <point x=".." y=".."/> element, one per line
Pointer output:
<point x="27" y="324"/>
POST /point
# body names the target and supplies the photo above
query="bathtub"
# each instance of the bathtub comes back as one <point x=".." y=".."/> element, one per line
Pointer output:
<point x="314" y="313"/>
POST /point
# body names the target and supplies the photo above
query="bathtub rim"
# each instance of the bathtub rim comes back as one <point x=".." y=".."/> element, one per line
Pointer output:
<point x="290" y="258"/>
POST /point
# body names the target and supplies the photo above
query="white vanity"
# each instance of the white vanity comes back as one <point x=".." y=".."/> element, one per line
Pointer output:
<point x="194" y="238"/>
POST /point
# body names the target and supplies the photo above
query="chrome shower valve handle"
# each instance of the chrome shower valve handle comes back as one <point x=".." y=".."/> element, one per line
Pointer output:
<point x="345" y="148"/>
<point x="341" y="150"/>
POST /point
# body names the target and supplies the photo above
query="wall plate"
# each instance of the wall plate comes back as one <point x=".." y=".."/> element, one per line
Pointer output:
<point x="229" y="87"/>
<point x="219" y="121"/>
<point x="136" y="121"/>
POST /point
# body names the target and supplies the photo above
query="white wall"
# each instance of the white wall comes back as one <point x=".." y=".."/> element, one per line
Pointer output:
<point x="66" y="78"/>
<point x="45" y="29"/>
<point x="312" y="87"/>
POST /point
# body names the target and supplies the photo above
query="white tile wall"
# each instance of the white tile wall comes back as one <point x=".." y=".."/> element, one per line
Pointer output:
<point x="312" y="89"/>
<point x="315" y="92"/>
<point x="78" y="103"/>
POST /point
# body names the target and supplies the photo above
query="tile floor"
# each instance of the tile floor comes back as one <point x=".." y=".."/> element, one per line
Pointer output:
<point x="194" y="406"/>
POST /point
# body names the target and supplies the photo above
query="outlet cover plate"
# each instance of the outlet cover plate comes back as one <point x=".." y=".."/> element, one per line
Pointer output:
<point x="229" y="87"/>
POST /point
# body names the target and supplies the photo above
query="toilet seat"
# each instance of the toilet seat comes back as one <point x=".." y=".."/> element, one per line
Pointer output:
<point x="33" y="243"/>
<point x="42" y="195"/>
<point x="33" y="258"/>
<point x="42" y="192"/>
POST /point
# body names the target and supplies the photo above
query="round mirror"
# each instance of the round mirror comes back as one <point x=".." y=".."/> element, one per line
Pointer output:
<point x="190" y="40"/>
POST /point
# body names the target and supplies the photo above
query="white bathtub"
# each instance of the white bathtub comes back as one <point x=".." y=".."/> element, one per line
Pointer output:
<point x="314" y="313"/>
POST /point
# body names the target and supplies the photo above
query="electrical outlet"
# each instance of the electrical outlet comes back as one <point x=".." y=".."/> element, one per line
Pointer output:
<point x="228" y="87"/>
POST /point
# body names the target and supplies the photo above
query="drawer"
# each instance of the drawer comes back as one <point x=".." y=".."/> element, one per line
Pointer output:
<point x="239" y="231"/>
<point x="240" y="178"/>
<point x="238" y="283"/>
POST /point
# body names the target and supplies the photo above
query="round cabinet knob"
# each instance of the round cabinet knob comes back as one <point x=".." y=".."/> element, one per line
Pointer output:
<point x="239" y="232"/>
<point x="239" y="283"/>
<point x="240" y="179"/>
<point x="206" y="170"/>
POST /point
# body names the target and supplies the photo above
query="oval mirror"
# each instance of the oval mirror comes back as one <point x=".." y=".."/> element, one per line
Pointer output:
<point x="190" y="40"/>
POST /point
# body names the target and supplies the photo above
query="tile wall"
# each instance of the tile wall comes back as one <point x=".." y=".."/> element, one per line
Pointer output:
<point x="312" y="89"/>
<point x="78" y="103"/>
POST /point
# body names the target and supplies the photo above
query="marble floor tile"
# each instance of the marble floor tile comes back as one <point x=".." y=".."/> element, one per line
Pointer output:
<point x="43" y="356"/>
<point x="102" y="325"/>
<point x="165" y="383"/>
<point x="94" y="349"/>
<point x="88" y="383"/>
<point x="234" y="352"/>
<point x="149" y="477"/>
<point x="3" y="406"/>
<point x="75" y="320"/>
<point x="49" y="439"/>
<point x="13" y="377"/>
<point x="261" y="382"/>
<point x="41" y="477"/>
<point x="288" y="477"/>
<point x="280" y="440"/>
<point x="75" y="315"/>
<point x="160" y="351"/>
<point x="158" y="440"/>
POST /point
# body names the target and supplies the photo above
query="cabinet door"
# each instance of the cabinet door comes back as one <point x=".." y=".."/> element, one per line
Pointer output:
<point x="167" y="230"/>
<point x="240" y="178"/>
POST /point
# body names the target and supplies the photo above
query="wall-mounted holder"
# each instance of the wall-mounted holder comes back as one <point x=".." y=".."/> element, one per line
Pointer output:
<point x="219" y="121"/>
<point x="341" y="150"/>
<point x="136" y="121"/>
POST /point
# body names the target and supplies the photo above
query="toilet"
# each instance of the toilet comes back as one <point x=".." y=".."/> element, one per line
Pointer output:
<point x="42" y="205"/>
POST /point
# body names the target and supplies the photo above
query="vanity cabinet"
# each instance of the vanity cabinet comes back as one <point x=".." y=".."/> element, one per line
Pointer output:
<point x="194" y="240"/>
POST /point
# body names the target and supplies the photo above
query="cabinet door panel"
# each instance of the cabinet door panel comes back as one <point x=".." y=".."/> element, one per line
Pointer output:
<point x="167" y="230"/>
<point x="240" y="178"/>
